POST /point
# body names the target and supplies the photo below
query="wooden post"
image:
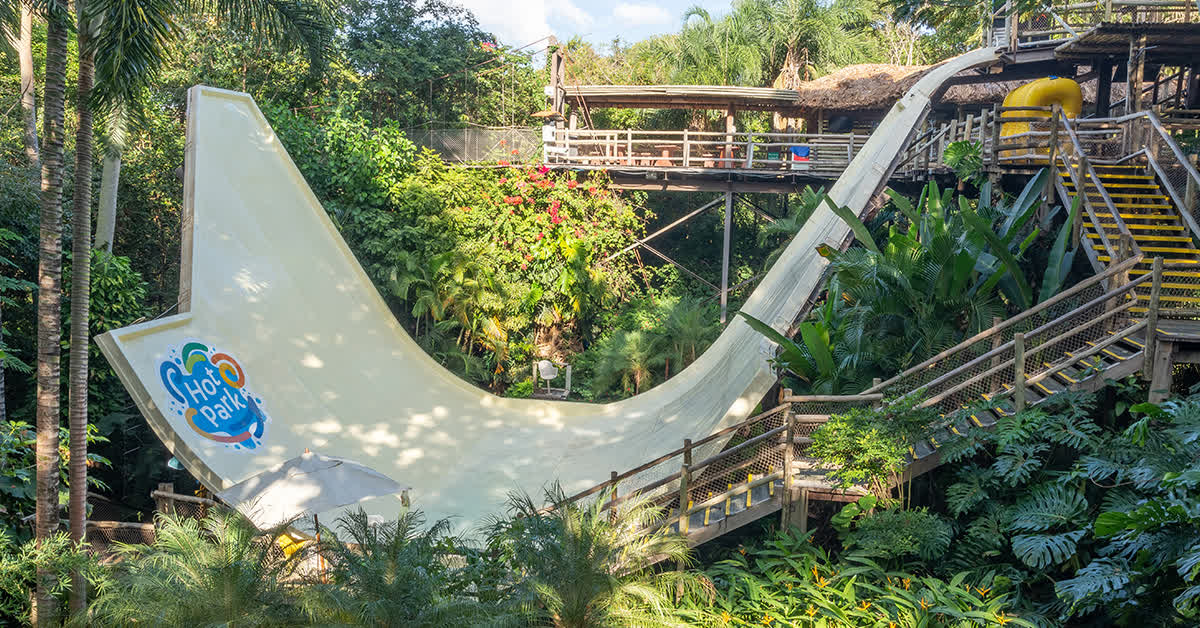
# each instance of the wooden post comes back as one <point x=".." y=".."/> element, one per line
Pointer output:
<point x="788" y="451"/>
<point x="1103" y="87"/>
<point x="875" y="382"/>
<point x="629" y="146"/>
<point x="997" y="340"/>
<point x="1052" y="166"/>
<point x="687" y="150"/>
<point x="1152" y="320"/>
<point x="1019" y="371"/>
<point x="729" y="129"/>
<point x="687" y="451"/>
<point x="1136" y="72"/>
<point x="164" y="504"/>
<point x="612" y="510"/>
<point x="996" y="124"/>
<point x="1189" y="192"/>
<point x="685" y="476"/>
<point x="1160" y="379"/>
<point x="725" y="255"/>
<point x="803" y="511"/>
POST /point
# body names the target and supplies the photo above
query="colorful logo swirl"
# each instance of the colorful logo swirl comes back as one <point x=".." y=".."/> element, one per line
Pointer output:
<point x="208" y="390"/>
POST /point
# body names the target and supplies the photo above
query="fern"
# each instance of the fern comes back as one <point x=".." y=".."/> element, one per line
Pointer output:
<point x="1040" y="551"/>
<point x="1048" y="506"/>
<point x="1020" y="428"/>
<point x="1017" y="462"/>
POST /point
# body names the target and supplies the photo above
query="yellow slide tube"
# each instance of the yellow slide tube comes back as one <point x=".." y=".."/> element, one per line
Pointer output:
<point x="1042" y="92"/>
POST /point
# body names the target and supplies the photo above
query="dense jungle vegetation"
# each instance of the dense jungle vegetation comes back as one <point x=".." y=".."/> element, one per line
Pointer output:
<point x="1076" y="513"/>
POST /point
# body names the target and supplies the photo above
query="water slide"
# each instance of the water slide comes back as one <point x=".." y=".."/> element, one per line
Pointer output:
<point x="282" y="343"/>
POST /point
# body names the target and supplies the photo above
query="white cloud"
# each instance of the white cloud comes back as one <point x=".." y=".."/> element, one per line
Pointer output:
<point x="513" y="22"/>
<point x="570" y="12"/>
<point x="641" y="14"/>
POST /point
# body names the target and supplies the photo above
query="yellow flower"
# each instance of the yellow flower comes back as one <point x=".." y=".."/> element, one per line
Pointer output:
<point x="742" y="551"/>
<point x="766" y="620"/>
<point x="725" y="617"/>
<point x="891" y="624"/>
<point x="1002" y="619"/>
<point x="815" y="574"/>
<point x="788" y="585"/>
<point x="821" y="582"/>
<point x="924" y="605"/>
<point x="983" y="591"/>
<point x="812" y="610"/>
<point x="907" y="581"/>
<point x="864" y="605"/>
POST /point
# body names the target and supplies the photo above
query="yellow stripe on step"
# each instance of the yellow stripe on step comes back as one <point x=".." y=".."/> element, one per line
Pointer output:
<point x="1149" y="237"/>
<point x="1113" y="225"/>
<point x="1170" y="297"/>
<point x="1158" y="249"/>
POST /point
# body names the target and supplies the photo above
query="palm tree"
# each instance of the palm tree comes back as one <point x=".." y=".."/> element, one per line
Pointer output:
<point x="81" y="267"/>
<point x="631" y="357"/>
<point x="215" y="571"/>
<point x="716" y="52"/>
<point x="49" y="332"/>
<point x="581" y="566"/>
<point x="689" y="326"/>
<point x="393" y="573"/>
<point x="830" y="35"/>
<point x="16" y="21"/>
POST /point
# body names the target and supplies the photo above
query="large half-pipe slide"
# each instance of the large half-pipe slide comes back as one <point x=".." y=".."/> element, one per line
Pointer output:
<point x="283" y="343"/>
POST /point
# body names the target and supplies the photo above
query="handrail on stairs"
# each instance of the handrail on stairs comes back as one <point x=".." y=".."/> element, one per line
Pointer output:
<point x="1085" y="165"/>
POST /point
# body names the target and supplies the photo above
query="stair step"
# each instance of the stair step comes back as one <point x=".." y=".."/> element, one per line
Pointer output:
<point x="1113" y="225"/>
<point x="1097" y="197"/>
<point x="1113" y="351"/>
<point x="1149" y="237"/>
<point x="1176" y="260"/>
<point x="1166" y="273"/>
<point x="1150" y="216"/>
<point x="1171" y="297"/>
<point x="1115" y="184"/>
<point x="1129" y="339"/>
<point x="1158" y="249"/>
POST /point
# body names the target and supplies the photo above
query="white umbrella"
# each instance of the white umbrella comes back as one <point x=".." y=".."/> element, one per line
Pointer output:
<point x="308" y="484"/>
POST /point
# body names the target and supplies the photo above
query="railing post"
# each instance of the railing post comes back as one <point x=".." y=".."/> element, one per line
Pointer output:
<point x="629" y="146"/>
<point x="789" y="448"/>
<point x="850" y="149"/>
<point x="1189" y="191"/>
<point x="1152" y="320"/>
<point x="1107" y="10"/>
<point x="875" y="382"/>
<point x="685" y="477"/>
<point x="1052" y="165"/>
<point x="1019" y="371"/>
<point x="163" y="504"/>
<point x="997" y="340"/>
<point x="687" y="150"/>
<point x="612" y="510"/>
<point x="995" y="135"/>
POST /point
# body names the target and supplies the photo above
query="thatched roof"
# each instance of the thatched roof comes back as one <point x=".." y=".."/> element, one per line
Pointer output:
<point x="877" y="86"/>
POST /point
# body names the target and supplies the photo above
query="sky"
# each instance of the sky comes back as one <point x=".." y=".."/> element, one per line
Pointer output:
<point x="519" y="22"/>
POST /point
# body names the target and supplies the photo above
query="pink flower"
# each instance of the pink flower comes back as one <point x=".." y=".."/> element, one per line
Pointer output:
<point x="543" y="170"/>
<point x="502" y="162"/>
<point x="524" y="265"/>
<point x="571" y="184"/>
<point x="503" y="180"/>
<point x="554" y="205"/>
<point x="556" y="220"/>
<point x="540" y="235"/>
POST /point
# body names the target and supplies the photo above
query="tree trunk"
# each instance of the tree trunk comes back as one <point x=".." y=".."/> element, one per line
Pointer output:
<point x="49" y="305"/>
<point x="81" y="277"/>
<point x="106" y="215"/>
<point x="22" y="41"/>
<point x="3" y="403"/>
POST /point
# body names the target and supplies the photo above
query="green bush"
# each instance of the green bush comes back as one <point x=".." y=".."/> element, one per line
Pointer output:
<point x="898" y="535"/>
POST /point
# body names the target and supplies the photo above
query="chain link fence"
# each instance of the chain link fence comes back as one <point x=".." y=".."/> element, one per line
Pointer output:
<point x="481" y="144"/>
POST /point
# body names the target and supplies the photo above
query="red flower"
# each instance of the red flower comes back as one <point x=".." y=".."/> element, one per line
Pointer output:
<point x="578" y="233"/>
<point x="502" y="162"/>
<point x="556" y="220"/>
<point x="529" y="258"/>
<point x="524" y="265"/>
<point x="503" y="180"/>
<point x="543" y="170"/>
<point x="555" y="204"/>
<point x="516" y="152"/>
<point x="571" y="184"/>
<point x="540" y="235"/>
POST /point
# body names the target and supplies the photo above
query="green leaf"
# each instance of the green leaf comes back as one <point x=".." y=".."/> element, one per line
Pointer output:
<point x="861" y="233"/>
<point x="1040" y="551"/>
<point x="816" y="338"/>
<point x="981" y="227"/>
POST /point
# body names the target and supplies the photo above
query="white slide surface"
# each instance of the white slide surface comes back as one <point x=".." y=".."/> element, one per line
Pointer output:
<point x="283" y="344"/>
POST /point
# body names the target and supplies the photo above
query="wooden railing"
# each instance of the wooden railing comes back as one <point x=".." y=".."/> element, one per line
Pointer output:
<point x="999" y="362"/>
<point x="1056" y="22"/>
